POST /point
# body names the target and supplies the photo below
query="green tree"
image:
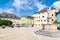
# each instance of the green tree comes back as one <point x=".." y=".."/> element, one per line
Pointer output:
<point x="5" y="22"/>
<point x="57" y="22"/>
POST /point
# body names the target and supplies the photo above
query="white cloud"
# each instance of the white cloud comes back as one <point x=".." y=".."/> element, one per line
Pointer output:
<point x="56" y="5"/>
<point x="10" y="10"/>
<point x="16" y="4"/>
<point x="39" y="5"/>
<point x="28" y="4"/>
<point x="21" y="4"/>
<point x="1" y="10"/>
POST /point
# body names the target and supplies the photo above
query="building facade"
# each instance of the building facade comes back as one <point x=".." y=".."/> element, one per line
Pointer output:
<point x="45" y="16"/>
<point x="12" y="17"/>
<point x="26" y="21"/>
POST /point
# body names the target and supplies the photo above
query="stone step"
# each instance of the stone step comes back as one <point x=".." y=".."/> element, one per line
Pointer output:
<point x="46" y="33"/>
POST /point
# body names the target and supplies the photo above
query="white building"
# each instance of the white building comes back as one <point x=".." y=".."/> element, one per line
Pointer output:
<point x="45" y="16"/>
<point x="12" y="17"/>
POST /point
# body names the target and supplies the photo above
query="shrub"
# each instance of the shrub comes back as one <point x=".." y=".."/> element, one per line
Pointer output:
<point x="5" y="22"/>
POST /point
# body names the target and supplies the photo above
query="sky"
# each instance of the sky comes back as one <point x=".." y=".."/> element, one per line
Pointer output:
<point x="29" y="7"/>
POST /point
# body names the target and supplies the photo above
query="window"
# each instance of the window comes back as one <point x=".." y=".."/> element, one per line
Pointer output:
<point x="13" y="24"/>
<point x="17" y="24"/>
<point x="52" y="14"/>
<point x="11" y="16"/>
<point x="39" y="16"/>
<point x="15" y="16"/>
<point x="48" y="20"/>
<point x="42" y="16"/>
<point x="6" y="15"/>
<point x="36" y="17"/>
<point x="44" y="20"/>
<point x="39" y="24"/>
<point x="41" y="20"/>
<point x="36" y="24"/>
<point x="52" y="20"/>
<point x="37" y="20"/>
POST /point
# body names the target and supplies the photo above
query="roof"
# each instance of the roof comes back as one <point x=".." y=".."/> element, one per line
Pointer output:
<point x="43" y="10"/>
<point x="52" y="8"/>
<point x="30" y="17"/>
<point x="9" y="15"/>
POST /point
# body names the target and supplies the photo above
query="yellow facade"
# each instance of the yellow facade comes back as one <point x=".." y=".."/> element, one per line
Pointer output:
<point x="53" y="16"/>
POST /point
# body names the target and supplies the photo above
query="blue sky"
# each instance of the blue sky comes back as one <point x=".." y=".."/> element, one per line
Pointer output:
<point x="20" y="7"/>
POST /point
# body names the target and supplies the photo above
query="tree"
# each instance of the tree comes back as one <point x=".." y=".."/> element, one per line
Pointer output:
<point x="5" y="22"/>
<point x="57" y="22"/>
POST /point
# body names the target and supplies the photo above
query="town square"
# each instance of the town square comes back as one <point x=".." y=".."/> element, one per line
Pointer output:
<point x="30" y="20"/>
